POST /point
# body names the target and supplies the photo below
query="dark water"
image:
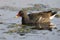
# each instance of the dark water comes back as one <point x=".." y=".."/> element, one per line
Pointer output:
<point x="9" y="29"/>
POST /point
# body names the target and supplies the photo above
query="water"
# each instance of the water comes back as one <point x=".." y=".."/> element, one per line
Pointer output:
<point x="9" y="19"/>
<point x="8" y="22"/>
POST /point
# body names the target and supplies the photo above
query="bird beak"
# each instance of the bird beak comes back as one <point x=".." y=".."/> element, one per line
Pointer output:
<point x="17" y="16"/>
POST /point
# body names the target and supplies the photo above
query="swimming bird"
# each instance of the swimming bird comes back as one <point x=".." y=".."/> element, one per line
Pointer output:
<point x="35" y="16"/>
<point x="38" y="19"/>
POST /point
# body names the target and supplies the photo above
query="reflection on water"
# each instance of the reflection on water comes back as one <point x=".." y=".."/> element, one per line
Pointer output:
<point x="24" y="29"/>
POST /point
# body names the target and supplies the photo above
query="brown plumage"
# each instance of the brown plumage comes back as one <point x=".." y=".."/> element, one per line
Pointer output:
<point x="40" y="19"/>
<point x="34" y="17"/>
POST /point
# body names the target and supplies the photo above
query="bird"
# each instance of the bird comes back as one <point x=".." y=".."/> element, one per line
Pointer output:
<point x="38" y="19"/>
<point x="29" y="17"/>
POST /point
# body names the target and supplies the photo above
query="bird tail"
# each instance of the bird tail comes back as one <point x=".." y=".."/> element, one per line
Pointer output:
<point x="53" y="13"/>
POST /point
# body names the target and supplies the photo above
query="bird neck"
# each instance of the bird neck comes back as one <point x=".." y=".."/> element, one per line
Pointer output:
<point x="25" y="18"/>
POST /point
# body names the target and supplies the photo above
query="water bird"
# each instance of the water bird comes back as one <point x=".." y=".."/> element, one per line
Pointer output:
<point x="42" y="18"/>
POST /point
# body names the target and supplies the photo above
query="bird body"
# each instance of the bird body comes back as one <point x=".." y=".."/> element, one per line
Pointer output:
<point x="36" y="17"/>
<point x="40" y="18"/>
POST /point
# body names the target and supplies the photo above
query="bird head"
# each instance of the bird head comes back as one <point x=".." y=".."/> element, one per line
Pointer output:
<point x="19" y="14"/>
